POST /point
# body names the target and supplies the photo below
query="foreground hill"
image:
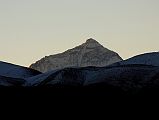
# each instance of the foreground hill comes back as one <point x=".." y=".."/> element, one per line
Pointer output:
<point x="125" y="77"/>
<point x="145" y="59"/>
<point x="15" y="71"/>
<point x="14" y="75"/>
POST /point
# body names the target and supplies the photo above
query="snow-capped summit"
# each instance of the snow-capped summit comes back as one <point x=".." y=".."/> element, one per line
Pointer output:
<point x="90" y="53"/>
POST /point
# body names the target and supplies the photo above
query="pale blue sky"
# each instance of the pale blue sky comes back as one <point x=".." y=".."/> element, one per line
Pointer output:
<point x="31" y="29"/>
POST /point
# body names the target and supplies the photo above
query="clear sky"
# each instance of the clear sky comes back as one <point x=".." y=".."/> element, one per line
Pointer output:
<point x="32" y="29"/>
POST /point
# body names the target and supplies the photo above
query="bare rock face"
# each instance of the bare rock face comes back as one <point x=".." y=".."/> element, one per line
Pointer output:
<point x="91" y="53"/>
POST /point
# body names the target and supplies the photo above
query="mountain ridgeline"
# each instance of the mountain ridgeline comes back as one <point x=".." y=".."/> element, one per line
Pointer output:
<point x="91" y="53"/>
<point x="88" y="65"/>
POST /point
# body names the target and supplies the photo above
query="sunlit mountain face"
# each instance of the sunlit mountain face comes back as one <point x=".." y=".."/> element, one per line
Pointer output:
<point x="88" y="69"/>
<point x="90" y="53"/>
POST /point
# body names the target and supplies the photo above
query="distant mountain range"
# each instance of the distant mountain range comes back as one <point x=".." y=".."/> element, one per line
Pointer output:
<point x="89" y="64"/>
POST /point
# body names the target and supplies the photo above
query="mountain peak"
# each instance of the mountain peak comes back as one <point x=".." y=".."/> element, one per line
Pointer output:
<point x="90" y="40"/>
<point x="90" y="53"/>
<point x="92" y="43"/>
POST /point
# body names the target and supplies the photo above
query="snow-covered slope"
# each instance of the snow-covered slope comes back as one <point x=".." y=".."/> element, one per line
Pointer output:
<point x="124" y="76"/>
<point x="146" y="59"/>
<point x="15" y="71"/>
<point x="91" y="53"/>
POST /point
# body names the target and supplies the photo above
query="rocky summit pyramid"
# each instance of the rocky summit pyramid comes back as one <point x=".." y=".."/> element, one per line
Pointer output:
<point x="90" y="53"/>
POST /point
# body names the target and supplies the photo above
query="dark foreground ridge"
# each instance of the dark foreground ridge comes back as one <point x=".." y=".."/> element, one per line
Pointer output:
<point x="134" y="79"/>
